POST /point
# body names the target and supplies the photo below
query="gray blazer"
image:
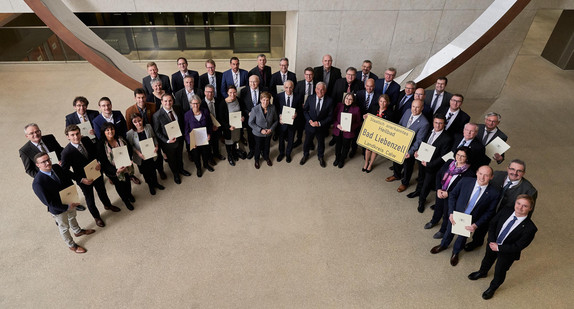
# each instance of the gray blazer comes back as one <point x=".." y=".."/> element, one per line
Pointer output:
<point x="133" y="139"/>
<point x="259" y="121"/>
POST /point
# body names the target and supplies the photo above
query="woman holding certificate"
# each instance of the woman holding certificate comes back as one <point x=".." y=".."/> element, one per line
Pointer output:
<point x="385" y="113"/>
<point x="199" y="124"/>
<point x="114" y="154"/>
<point x="345" y="127"/>
<point x="447" y="177"/>
<point x="263" y="120"/>
<point x="142" y="139"/>
<point x="155" y="96"/>
<point x="230" y="117"/>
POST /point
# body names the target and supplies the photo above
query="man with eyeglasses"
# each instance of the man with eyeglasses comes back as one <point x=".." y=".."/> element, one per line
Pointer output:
<point x="211" y="77"/>
<point x="36" y="144"/>
<point x="405" y="100"/>
<point x="488" y="131"/>
<point x="438" y="97"/>
<point x="511" y="184"/>
<point x="177" y="78"/>
<point x="456" y="118"/>
<point x="388" y="86"/>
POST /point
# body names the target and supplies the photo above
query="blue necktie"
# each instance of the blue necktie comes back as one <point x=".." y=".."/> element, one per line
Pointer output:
<point x="472" y="202"/>
<point x="505" y="231"/>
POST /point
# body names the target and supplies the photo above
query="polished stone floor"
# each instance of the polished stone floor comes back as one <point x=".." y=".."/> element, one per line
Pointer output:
<point x="286" y="236"/>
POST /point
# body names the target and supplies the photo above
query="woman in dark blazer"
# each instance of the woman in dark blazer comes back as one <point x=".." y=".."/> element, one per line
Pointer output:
<point x="384" y="112"/>
<point x="118" y="175"/>
<point x="199" y="118"/>
<point x="345" y="138"/>
<point x="230" y="133"/>
<point x="447" y="177"/>
<point x="263" y="120"/>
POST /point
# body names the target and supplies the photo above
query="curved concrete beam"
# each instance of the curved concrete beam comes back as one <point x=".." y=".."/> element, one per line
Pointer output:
<point x="62" y="21"/>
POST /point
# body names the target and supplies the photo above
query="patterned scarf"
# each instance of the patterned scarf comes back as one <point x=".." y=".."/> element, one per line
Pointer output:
<point x="452" y="170"/>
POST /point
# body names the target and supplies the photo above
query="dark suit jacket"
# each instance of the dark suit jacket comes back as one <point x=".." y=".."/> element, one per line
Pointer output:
<point x="509" y="197"/>
<point x="277" y="81"/>
<point x="227" y="80"/>
<point x="165" y="85"/>
<point x="477" y="156"/>
<point x="499" y="133"/>
<point x="334" y="75"/>
<point x="483" y="209"/>
<point x="223" y="118"/>
<point x="177" y="80"/>
<point x="246" y="101"/>
<point x="161" y="118"/>
<point x="457" y="125"/>
<point x="443" y="145"/>
<point x="72" y="157"/>
<point x="420" y="126"/>
<point x="264" y="82"/>
<point x="341" y="87"/>
<point x="149" y="110"/>
<point x="295" y="103"/>
<point x="108" y="167"/>
<point x="28" y="151"/>
<point x="180" y="99"/>
<point x="300" y="89"/>
<point x="444" y="168"/>
<point x="400" y="111"/>
<point x="74" y="119"/>
<point x="515" y="241"/>
<point x="393" y="91"/>
<point x="48" y="190"/>
<point x="323" y="116"/>
<point x="361" y="98"/>
<point x="119" y="123"/>
<point x="204" y="80"/>
<point x="428" y="100"/>
<point x="359" y="77"/>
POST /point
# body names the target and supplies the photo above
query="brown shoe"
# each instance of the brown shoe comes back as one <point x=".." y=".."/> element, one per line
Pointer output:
<point x="85" y="232"/>
<point x="454" y="259"/>
<point x="437" y="249"/>
<point x="391" y="178"/>
<point x="269" y="163"/>
<point x="112" y="208"/>
<point x="78" y="249"/>
<point x="401" y="188"/>
<point x="100" y="222"/>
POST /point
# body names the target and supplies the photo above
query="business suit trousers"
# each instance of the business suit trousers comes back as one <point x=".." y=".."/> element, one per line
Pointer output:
<point x="342" y="147"/>
<point x="159" y="161"/>
<point x="479" y="234"/>
<point x="250" y="139"/>
<point x="502" y="266"/>
<point x="201" y="152"/>
<point x="425" y="181"/>
<point x="310" y="134"/>
<point x="123" y="187"/>
<point x="406" y="168"/>
<point x="174" y="151"/>
<point x="88" y="191"/>
<point x="299" y="124"/>
<point x="262" y="145"/>
<point x="286" y="134"/>
<point x="65" y="221"/>
<point x="214" y="142"/>
<point x="148" y="170"/>
<point x="447" y="239"/>
<point x="440" y="207"/>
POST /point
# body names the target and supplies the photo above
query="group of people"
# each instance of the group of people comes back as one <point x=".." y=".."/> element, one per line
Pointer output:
<point x="278" y="107"/>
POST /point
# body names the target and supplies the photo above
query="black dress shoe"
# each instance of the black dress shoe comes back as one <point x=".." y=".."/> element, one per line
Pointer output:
<point x="280" y="157"/>
<point x="336" y="162"/>
<point x="297" y="143"/>
<point x="368" y="171"/>
<point x="322" y="162"/>
<point x="112" y="208"/>
<point x="80" y="208"/>
<point x="199" y="173"/>
<point x="151" y="190"/>
<point x="129" y="205"/>
<point x="288" y="159"/>
<point x="432" y="206"/>
<point x="250" y="155"/>
<point x="269" y="163"/>
<point x="488" y="293"/>
<point x="132" y="198"/>
<point x="429" y="225"/>
<point x="471" y="246"/>
<point x="437" y="249"/>
<point x="413" y="194"/>
<point x="209" y="168"/>
<point x="231" y="162"/>
<point x="160" y="187"/>
<point x="185" y="173"/>
<point x="162" y="175"/>
<point x="303" y="160"/>
<point x="100" y="222"/>
<point x="341" y="163"/>
<point x="421" y="208"/>
<point x="242" y="154"/>
<point x="454" y="259"/>
<point x="220" y="157"/>
<point x="476" y="275"/>
<point x="177" y="180"/>
<point x="333" y="141"/>
<point x="363" y="170"/>
<point x="212" y="162"/>
<point x="257" y="165"/>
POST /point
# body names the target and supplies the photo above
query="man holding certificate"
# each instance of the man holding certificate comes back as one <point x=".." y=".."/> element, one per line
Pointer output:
<point x="290" y="107"/>
<point x="50" y="180"/>
<point x="475" y="197"/>
<point x="83" y="116"/>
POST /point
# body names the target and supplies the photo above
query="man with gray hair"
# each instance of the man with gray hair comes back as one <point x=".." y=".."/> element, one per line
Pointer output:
<point x="327" y="73"/>
<point x="263" y="71"/>
<point x="468" y="139"/>
<point x="489" y="131"/>
<point x="318" y="110"/>
<point x="280" y="77"/>
<point x="366" y="73"/>
<point x="36" y="144"/>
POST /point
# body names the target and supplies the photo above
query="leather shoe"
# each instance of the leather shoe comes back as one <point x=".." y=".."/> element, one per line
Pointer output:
<point x="269" y="163"/>
<point x="454" y="259"/>
<point x="250" y="155"/>
<point x="471" y="246"/>
<point x="132" y="198"/>
<point x="421" y="208"/>
<point x="152" y="190"/>
<point x="297" y="143"/>
<point x="391" y="178"/>
<point x="322" y="162"/>
<point x="341" y="164"/>
<point x="438" y="235"/>
<point x="220" y="157"/>
<point x="100" y="222"/>
<point x="288" y="159"/>
<point x="185" y="173"/>
<point x="85" y="232"/>
<point x="209" y="168"/>
<point x="177" y="180"/>
<point x="476" y="275"/>
<point x="280" y="158"/>
<point x="199" y="173"/>
<point x="437" y="249"/>
<point x="401" y="188"/>
<point x="257" y="166"/>
<point x="231" y="162"/>
<point x="303" y="160"/>
<point x="432" y="207"/>
<point x="162" y="175"/>
<point x="488" y="293"/>
<point x="80" y="208"/>
<point x="129" y="206"/>
<point x="160" y="187"/>
<point x="332" y="142"/>
<point x="78" y="249"/>
<point x="413" y="194"/>
<point x="336" y="162"/>
<point x="112" y="208"/>
<point x="429" y="225"/>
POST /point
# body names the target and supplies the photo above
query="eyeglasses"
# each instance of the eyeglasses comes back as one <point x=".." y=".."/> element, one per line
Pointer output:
<point x="45" y="162"/>
<point x="515" y="170"/>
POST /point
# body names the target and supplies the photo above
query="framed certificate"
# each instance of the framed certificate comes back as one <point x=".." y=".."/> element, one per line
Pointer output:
<point x="85" y="128"/>
<point x="287" y="115"/>
<point x="462" y="220"/>
<point x="497" y="145"/>
<point x="121" y="156"/>
<point x="172" y="129"/>
<point x="346" y="119"/>
<point x="198" y="137"/>
<point x="148" y="148"/>
<point x="69" y="195"/>
<point x="235" y="119"/>
<point x="425" y="152"/>
<point x="91" y="172"/>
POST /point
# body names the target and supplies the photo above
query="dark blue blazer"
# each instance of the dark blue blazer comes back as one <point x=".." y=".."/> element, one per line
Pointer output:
<point x="360" y="76"/>
<point x="119" y="123"/>
<point x="515" y="241"/>
<point x="177" y="80"/>
<point x="165" y="84"/>
<point x="323" y="116"/>
<point x="484" y="208"/>
<point x="74" y="119"/>
<point x="227" y="79"/>
<point x="393" y="90"/>
<point x="361" y="98"/>
<point x="477" y="156"/>
<point x="400" y="111"/>
<point x="48" y="190"/>
<point x="277" y="81"/>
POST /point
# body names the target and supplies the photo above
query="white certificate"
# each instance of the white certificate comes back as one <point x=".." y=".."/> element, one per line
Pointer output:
<point x="425" y="152"/>
<point x="287" y="115"/>
<point x="198" y="137"/>
<point x="497" y="145"/>
<point x="214" y="121"/>
<point x="85" y="128"/>
<point x="280" y="88"/>
<point x="346" y="119"/>
<point x="172" y="129"/>
<point x="121" y="156"/>
<point x="148" y="148"/>
<point x="239" y="91"/>
<point x="53" y="157"/>
<point x="462" y="220"/>
<point x="305" y="99"/>
<point x="69" y="195"/>
<point x="235" y="120"/>
<point x="90" y="170"/>
<point x="448" y="156"/>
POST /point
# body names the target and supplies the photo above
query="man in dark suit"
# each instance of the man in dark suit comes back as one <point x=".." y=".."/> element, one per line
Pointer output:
<point x="82" y="113"/>
<point x="183" y="96"/>
<point x="413" y="120"/>
<point x="36" y="141"/>
<point x="303" y="89"/>
<point x="212" y="104"/>
<point x="263" y="71"/>
<point x="172" y="147"/>
<point x="434" y="99"/>
<point x="456" y="118"/>
<point x="476" y="197"/>
<point x="468" y="139"/>
<point x="367" y="99"/>
<point x="318" y="110"/>
<point x="328" y="74"/>
<point x="442" y="142"/>
<point x="77" y="154"/>
<point x="489" y="131"/>
<point x="388" y="86"/>
<point x="287" y="131"/>
<point x="366" y="73"/>
<point x="177" y="77"/>
<point x="510" y="232"/>
<point x="347" y="84"/>
<point x="234" y="76"/>
<point x="50" y="180"/>
<point x="280" y="77"/>
<point x="109" y="115"/>
<point x="406" y="98"/>
<point x="153" y="75"/>
<point x="211" y="77"/>
<point x="249" y="98"/>
<point x="511" y="184"/>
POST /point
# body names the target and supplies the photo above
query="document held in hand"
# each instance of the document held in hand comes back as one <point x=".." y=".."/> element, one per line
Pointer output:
<point x="198" y="137"/>
<point x="346" y="119"/>
<point x="148" y="148"/>
<point x="235" y="120"/>
<point x="287" y="115"/>
<point x="425" y="152"/>
<point x="497" y="145"/>
<point x="90" y="170"/>
<point x="462" y="220"/>
<point x="121" y="156"/>
<point x="172" y="129"/>
<point x="69" y="195"/>
<point x="85" y="128"/>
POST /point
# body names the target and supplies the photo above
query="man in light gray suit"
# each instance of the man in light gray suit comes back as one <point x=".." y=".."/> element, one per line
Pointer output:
<point x="415" y="121"/>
